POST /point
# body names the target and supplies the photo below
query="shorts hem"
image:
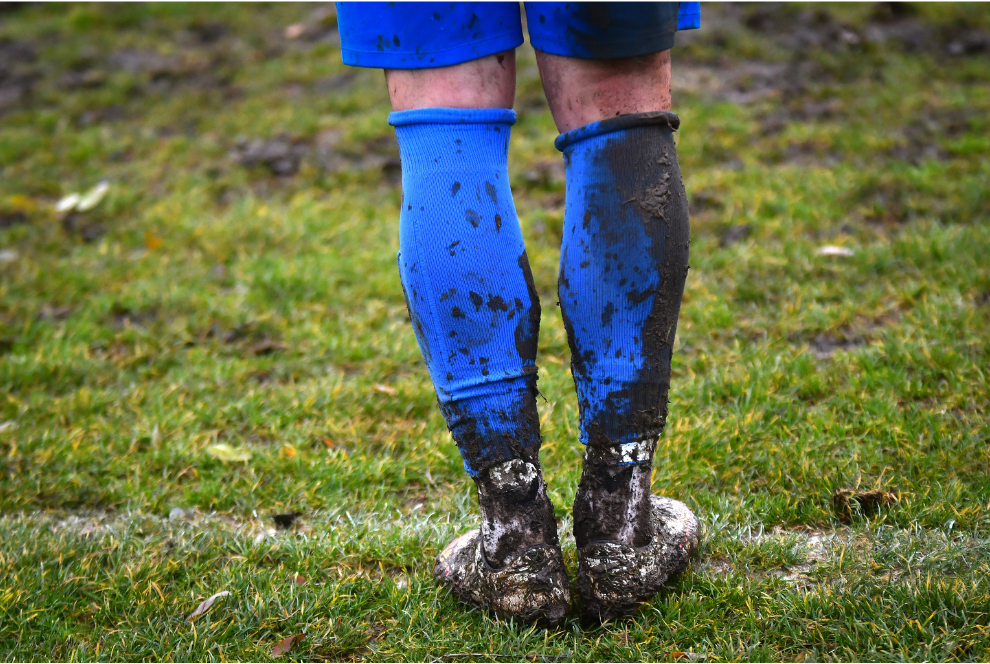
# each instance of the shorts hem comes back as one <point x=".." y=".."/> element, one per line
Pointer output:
<point x="447" y="57"/>
<point x="605" y="50"/>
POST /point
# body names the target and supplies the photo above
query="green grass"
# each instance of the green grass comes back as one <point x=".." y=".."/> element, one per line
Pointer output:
<point x="205" y="302"/>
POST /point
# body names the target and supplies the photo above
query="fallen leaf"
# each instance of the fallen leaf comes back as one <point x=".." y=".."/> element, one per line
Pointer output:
<point x="158" y="590"/>
<point x="287" y="644"/>
<point x="151" y="241"/>
<point x="192" y="472"/>
<point x="286" y="520"/>
<point x="295" y="31"/>
<point x="677" y="654"/>
<point x="67" y="203"/>
<point x="93" y="197"/>
<point x="331" y="445"/>
<point x="298" y="579"/>
<point x="205" y="605"/>
<point x="385" y="389"/>
<point x="225" y="452"/>
<point x="23" y="203"/>
<point x="830" y="250"/>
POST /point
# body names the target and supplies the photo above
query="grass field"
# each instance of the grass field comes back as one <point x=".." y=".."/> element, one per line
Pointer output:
<point x="222" y="338"/>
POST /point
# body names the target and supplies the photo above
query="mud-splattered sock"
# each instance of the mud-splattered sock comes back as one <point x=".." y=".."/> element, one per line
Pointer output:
<point x="623" y="263"/>
<point x="468" y="285"/>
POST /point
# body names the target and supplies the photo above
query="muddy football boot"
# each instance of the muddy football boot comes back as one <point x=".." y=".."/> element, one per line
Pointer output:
<point x="512" y="565"/>
<point x="629" y="542"/>
<point x="533" y="587"/>
<point x="614" y="579"/>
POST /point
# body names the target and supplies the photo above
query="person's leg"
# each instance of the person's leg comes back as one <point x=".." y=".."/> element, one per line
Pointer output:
<point x="476" y="314"/>
<point x="450" y="70"/>
<point x="469" y="288"/>
<point x="623" y="263"/>
<point x="622" y="269"/>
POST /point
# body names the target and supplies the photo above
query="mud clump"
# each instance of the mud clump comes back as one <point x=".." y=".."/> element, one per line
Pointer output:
<point x="12" y="218"/>
<point x="17" y="73"/>
<point x="333" y="153"/>
<point x="286" y="520"/>
<point x="281" y="155"/>
<point x="824" y="345"/>
<point x="734" y="234"/>
<point x="75" y="224"/>
<point x="705" y="201"/>
<point x="848" y="502"/>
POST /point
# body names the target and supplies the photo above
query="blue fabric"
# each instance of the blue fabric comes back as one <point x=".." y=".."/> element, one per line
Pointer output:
<point x="467" y="278"/>
<point x="419" y="35"/>
<point x="601" y="30"/>
<point x="622" y="267"/>
<point x="689" y="16"/>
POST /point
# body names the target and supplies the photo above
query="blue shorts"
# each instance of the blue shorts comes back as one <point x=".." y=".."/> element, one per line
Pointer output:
<point x="420" y="35"/>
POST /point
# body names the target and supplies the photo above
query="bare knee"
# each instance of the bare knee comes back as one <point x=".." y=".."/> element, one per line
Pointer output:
<point x="583" y="91"/>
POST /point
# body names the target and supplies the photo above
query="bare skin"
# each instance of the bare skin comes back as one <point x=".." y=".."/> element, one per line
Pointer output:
<point x="585" y="91"/>
<point x="579" y="91"/>
<point x="488" y="82"/>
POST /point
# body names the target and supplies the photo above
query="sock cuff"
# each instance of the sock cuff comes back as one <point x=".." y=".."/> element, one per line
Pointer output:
<point x="665" y="119"/>
<point x="448" y="140"/>
<point x="455" y="116"/>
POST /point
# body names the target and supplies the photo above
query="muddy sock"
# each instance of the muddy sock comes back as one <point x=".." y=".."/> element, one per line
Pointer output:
<point x="613" y="498"/>
<point x="467" y="279"/>
<point x="623" y="263"/>
<point x="516" y="512"/>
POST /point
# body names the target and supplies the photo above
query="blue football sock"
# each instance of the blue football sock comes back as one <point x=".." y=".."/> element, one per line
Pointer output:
<point x="467" y="279"/>
<point x="623" y="263"/>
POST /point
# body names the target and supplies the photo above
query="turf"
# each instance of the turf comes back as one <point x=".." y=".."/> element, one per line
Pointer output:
<point x="237" y="287"/>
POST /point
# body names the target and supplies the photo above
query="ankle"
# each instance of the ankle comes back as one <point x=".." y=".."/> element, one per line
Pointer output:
<point x="516" y="512"/>
<point x="613" y="498"/>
